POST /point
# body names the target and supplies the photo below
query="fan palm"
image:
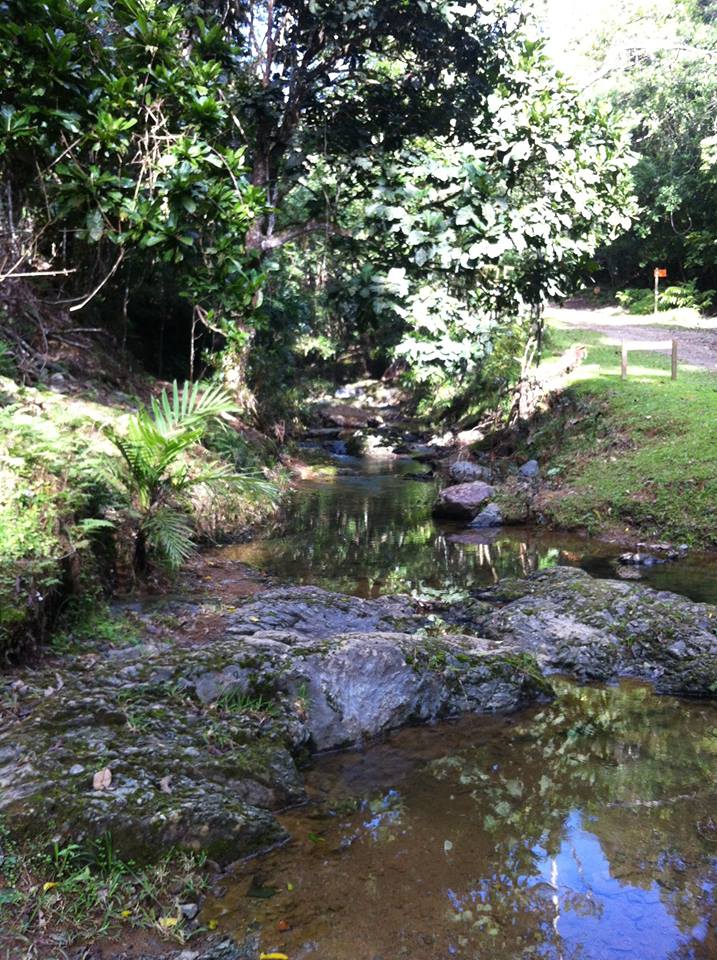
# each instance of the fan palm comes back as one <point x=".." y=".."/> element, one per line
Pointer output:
<point x="155" y="476"/>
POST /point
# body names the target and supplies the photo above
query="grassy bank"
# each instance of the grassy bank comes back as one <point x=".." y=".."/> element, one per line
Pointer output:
<point x="66" y="529"/>
<point x="635" y="457"/>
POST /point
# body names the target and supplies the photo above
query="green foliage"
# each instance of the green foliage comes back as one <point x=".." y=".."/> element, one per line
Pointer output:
<point x="675" y="297"/>
<point x="88" y="892"/>
<point x="636" y="454"/>
<point x="49" y="487"/>
<point x="156" y="477"/>
<point x="119" y="139"/>
<point x="636" y="301"/>
<point x="686" y="295"/>
<point x="7" y="362"/>
<point x="666" y="88"/>
<point x="442" y="242"/>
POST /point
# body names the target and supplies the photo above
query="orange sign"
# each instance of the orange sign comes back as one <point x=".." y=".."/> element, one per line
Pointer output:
<point x="660" y="272"/>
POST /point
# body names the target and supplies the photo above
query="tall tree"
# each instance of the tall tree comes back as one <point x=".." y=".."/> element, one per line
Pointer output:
<point x="342" y="78"/>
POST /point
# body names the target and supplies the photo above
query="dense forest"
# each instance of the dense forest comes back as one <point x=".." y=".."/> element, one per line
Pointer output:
<point x="254" y="189"/>
<point x="411" y="299"/>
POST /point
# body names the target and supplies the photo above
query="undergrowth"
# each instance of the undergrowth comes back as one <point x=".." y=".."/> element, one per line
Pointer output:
<point x="64" y="894"/>
<point x="66" y="529"/>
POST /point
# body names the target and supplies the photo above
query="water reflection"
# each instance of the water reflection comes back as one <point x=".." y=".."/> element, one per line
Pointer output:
<point x="584" y="830"/>
<point x="371" y="533"/>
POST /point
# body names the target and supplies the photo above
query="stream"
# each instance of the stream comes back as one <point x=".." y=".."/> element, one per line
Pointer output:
<point x="369" y="531"/>
<point x="585" y="829"/>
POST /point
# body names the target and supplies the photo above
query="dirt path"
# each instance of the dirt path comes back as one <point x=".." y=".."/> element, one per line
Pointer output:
<point x="696" y="337"/>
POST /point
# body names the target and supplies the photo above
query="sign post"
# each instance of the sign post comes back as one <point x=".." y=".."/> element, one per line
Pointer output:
<point x="659" y="272"/>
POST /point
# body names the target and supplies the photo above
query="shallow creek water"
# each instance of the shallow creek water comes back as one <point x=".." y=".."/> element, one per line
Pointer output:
<point x="582" y="830"/>
<point x="585" y="829"/>
<point x="370" y="532"/>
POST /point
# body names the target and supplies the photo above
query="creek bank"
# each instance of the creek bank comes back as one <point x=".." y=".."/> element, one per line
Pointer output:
<point x="204" y="744"/>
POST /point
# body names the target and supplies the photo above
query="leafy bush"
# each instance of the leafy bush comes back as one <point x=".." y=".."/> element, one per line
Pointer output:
<point x="7" y="361"/>
<point x="636" y="301"/>
<point x="156" y="478"/>
<point x="50" y="497"/>
<point x="685" y="295"/>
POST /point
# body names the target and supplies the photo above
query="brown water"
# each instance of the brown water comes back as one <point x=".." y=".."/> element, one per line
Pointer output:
<point x="371" y="532"/>
<point x="584" y="830"/>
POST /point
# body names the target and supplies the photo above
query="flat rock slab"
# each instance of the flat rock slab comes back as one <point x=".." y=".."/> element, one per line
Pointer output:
<point x="605" y="629"/>
<point x="198" y="746"/>
<point x="346" y="416"/>
<point x="316" y="613"/>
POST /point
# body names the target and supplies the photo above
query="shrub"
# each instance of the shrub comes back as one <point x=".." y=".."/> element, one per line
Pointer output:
<point x="156" y="478"/>
<point x="684" y="295"/>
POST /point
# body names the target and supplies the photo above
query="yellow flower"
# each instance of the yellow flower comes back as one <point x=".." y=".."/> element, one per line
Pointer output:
<point x="48" y="886"/>
<point x="126" y="913"/>
<point x="168" y="922"/>
<point x="213" y="924"/>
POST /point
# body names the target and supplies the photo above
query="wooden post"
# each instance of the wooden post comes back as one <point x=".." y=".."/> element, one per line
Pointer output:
<point x="623" y="365"/>
<point x="657" y="290"/>
<point x="674" y="359"/>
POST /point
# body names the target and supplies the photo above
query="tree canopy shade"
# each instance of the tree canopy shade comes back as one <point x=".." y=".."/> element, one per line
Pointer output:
<point x="386" y="175"/>
<point x="452" y="180"/>
<point x="352" y="77"/>
<point x="120" y="148"/>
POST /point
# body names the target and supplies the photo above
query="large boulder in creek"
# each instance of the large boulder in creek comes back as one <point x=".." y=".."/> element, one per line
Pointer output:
<point x="463" y="500"/>
<point x="605" y="629"/>
<point x="197" y="746"/>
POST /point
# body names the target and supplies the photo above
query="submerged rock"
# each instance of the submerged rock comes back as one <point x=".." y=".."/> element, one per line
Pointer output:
<point x="196" y="747"/>
<point x="463" y="501"/>
<point x="605" y="629"/>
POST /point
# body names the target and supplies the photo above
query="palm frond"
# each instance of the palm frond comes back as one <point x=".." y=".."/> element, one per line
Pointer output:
<point x="169" y="533"/>
<point x="252" y="485"/>
<point x="194" y="406"/>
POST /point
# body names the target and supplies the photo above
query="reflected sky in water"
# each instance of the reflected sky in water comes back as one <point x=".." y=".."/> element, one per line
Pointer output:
<point x="582" y="830"/>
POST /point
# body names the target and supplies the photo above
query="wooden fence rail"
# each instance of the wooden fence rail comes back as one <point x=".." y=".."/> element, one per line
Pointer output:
<point x="649" y="345"/>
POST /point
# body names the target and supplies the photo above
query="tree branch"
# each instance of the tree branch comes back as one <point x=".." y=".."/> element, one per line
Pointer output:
<point x="297" y="231"/>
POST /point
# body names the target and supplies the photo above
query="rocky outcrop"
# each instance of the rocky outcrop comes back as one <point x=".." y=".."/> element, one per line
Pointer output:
<point x="346" y="416"/>
<point x="163" y="745"/>
<point x="605" y="629"/>
<point x="463" y="501"/>
<point x="466" y="471"/>
<point x="167" y="745"/>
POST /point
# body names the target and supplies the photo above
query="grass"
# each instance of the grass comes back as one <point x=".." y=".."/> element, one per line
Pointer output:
<point x="65" y="895"/>
<point x="639" y="454"/>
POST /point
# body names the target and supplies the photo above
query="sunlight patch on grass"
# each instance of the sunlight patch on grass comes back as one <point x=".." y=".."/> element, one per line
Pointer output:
<point x="640" y="452"/>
